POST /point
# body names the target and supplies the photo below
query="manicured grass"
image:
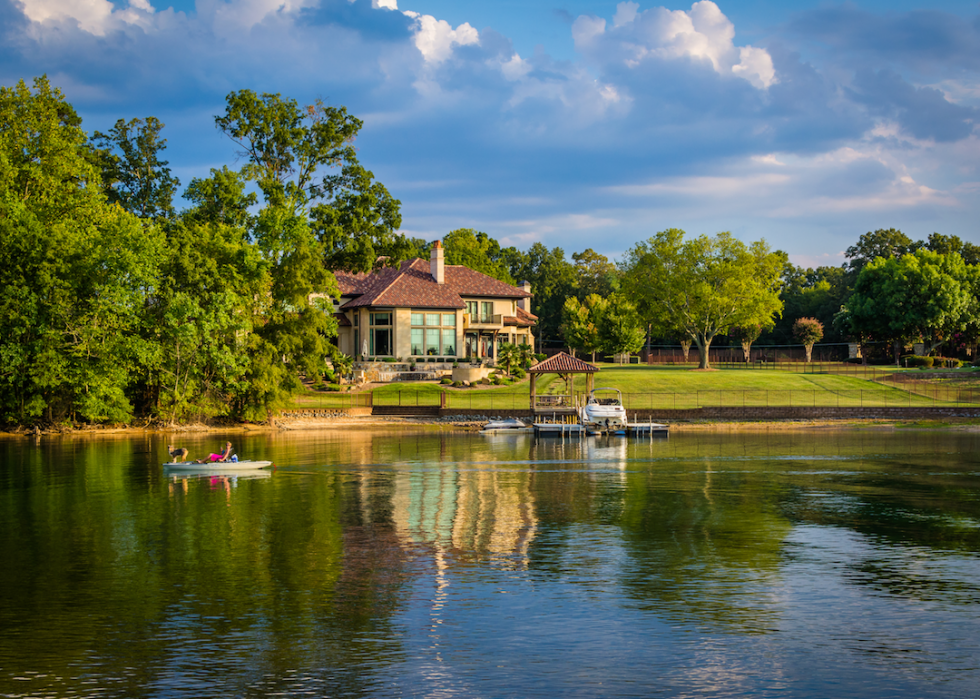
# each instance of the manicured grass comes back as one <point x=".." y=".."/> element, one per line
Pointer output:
<point x="654" y="388"/>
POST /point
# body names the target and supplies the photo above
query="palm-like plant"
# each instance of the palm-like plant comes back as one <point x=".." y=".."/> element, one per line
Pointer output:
<point x="508" y="355"/>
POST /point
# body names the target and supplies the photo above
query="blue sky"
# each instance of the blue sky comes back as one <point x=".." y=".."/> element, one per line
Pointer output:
<point x="577" y="123"/>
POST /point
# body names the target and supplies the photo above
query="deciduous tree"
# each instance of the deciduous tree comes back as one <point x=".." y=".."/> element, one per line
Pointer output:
<point x="133" y="175"/>
<point x="704" y="286"/>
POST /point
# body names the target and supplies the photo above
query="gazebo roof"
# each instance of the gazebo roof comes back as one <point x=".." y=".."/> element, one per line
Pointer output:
<point x="563" y="363"/>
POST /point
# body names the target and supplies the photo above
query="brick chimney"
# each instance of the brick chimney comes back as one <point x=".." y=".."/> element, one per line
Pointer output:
<point x="437" y="265"/>
<point x="525" y="303"/>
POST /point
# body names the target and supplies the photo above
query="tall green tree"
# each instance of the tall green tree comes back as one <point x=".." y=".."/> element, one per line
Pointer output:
<point x="133" y="175"/>
<point x="292" y="154"/>
<point x="620" y="327"/>
<point x="703" y="286"/>
<point x="78" y="272"/>
<point x="213" y="286"/>
<point x="924" y="295"/>
<point x="581" y="321"/>
<point x="552" y="280"/>
<point x="478" y="251"/>
<point x="221" y="199"/>
<point x="882" y="242"/>
<point x="594" y="273"/>
<point x="304" y="161"/>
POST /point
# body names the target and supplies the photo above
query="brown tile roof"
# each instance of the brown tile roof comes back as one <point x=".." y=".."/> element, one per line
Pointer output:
<point x="525" y="316"/>
<point x="342" y="320"/>
<point x="412" y="286"/>
<point x="563" y="363"/>
<point x="523" y="319"/>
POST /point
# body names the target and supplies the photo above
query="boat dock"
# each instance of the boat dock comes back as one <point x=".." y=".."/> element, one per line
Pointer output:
<point x="648" y="430"/>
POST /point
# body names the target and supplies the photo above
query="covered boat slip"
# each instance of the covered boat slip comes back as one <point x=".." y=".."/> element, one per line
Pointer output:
<point x="578" y="414"/>
<point x="568" y="402"/>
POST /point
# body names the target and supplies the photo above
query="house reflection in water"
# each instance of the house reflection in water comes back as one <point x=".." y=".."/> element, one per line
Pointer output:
<point x="479" y="513"/>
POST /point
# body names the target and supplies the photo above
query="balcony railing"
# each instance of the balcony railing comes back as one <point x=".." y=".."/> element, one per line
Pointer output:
<point x="483" y="322"/>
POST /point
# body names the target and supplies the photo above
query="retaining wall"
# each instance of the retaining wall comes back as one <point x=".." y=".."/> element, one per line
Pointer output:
<point x="327" y="412"/>
<point x="710" y="413"/>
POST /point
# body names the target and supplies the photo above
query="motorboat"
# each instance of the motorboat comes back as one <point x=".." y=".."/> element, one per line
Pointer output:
<point x="511" y="424"/>
<point x="603" y="410"/>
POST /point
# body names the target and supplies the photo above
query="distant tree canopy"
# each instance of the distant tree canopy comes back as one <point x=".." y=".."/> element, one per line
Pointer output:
<point x="476" y="250"/>
<point x="924" y="295"/>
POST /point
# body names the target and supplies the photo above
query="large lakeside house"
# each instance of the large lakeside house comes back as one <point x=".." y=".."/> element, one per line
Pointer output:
<point x="430" y="311"/>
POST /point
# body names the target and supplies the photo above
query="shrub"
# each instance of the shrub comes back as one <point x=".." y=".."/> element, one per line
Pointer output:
<point x="447" y="381"/>
<point x="333" y="387"/>
<point x="519" y="373"/>
<point x="917" y="361"/>
<point x="457" y="384"/>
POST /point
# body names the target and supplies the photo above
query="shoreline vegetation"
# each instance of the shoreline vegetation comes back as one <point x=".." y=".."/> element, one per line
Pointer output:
<point x="647" y="385"/>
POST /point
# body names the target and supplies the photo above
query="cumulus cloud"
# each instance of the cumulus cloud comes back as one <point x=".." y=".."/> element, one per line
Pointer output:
<point x="436" y="38"/>
<point x="704" y="34"/>
<point x="93" y="16"/>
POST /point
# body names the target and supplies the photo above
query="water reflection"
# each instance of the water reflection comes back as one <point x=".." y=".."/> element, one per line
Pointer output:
<point x="379" y="564"/>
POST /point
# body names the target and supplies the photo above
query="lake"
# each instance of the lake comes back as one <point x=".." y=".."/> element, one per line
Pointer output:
<point x="784" y="563"/>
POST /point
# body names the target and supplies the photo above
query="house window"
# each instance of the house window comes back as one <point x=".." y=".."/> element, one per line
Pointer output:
<point x="449" y="341"/>
<point x="473" y="308"/>
<point x="380" y="334"/>
<point x="433" y="334"/>
<point x="486" y="312"/>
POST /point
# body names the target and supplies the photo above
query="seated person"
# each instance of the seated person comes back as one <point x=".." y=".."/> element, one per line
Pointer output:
<point x="223" y="456"/>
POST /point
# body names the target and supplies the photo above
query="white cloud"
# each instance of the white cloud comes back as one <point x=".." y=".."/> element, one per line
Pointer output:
<point x="703" y="34"/>
<point x="92" y="16"/>
<point x="384" y="4"/>
<point x="435" y="38"/>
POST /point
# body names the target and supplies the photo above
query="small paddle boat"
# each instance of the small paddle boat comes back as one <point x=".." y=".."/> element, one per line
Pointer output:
<point x="216" y="466"/>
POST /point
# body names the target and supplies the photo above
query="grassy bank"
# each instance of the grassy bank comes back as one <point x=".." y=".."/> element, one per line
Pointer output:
<point x="646" y="387"/>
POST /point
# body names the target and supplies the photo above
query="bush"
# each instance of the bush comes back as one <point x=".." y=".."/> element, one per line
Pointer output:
<point x="541" y="357"/>
<point x="447" y="381"/>
<point x="333" y="387"/>
<point x="519" y="373"/>
<point x="915" y="361"/>
<point x="457" y="384"/>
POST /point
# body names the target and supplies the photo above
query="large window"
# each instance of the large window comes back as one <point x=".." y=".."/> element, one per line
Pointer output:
<point x="433" y="334"/>
<point x="380" y="335"/>
<point x="486" y="312"/>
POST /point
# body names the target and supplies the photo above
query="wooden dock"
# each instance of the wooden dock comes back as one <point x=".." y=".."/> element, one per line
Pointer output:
<point x="638" y="430"/>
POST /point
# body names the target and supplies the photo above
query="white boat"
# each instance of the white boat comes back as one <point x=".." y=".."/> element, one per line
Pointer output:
<point x="511" y="424"/>
<point x="603" y="410"/>
<point x="216" y="466"/>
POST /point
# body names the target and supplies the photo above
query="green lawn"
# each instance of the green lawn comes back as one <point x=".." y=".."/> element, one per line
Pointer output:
<point x="654" y="388"/>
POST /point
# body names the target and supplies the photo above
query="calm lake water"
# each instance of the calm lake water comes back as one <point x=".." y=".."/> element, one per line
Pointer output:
<point x="370" y="564"/>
